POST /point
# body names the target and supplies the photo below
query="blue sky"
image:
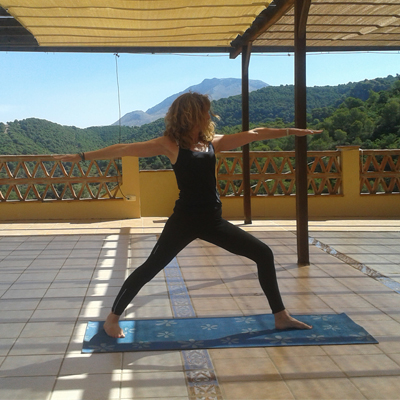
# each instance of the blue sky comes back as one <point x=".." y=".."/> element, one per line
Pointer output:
<point x="81" y="90"/>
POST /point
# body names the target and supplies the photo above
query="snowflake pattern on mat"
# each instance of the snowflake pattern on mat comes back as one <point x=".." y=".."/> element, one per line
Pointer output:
<point x="331" y="328"/>
<point x="316" y="338"/>
<point x="278" y="339"/>
<point x="209" y="327"/>
<point x="229" y="340"/>
<point x="321" y="317"/>
<point x="103" y="348"/>
<point x="129" y="330"/>
<point x="191" y="343"/>
<point x="246" y="320"/>
<point x="165" y="334"/>
<point x="251" y="331"/>
<point x="166" y="322"/>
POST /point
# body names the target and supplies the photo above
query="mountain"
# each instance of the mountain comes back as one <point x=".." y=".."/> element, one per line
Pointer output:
<point x="215" y="88"/>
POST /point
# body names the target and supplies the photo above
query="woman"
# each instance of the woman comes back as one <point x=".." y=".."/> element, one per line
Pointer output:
<point x="190" y="144"/>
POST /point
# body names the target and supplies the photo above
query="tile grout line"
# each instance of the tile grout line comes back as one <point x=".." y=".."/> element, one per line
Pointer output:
<point x="388" y="282"/>
<point x="200" y="375"/>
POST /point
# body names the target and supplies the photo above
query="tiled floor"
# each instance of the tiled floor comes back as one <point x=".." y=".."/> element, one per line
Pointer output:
<point x="57" y="276"/>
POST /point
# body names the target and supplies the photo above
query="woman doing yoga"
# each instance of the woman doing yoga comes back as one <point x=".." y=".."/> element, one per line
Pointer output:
<point x="190" y="143"/>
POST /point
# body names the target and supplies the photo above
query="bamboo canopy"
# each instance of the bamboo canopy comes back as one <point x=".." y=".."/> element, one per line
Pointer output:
<point x="195" y="26"/>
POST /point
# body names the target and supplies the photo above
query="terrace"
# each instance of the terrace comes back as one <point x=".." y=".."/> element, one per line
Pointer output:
<point x="56" y="276"/>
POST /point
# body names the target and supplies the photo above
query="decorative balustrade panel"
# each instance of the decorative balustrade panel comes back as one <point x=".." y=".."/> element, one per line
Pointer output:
<point x="41" y="178"/>
<point x="380" y="171"/>
<point x="273" y="173"/>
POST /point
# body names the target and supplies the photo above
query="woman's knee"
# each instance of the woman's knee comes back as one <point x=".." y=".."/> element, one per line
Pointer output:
<point x="264" y="254"/>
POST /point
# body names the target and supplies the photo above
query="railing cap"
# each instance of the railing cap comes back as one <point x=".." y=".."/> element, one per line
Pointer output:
<point x="348" y="147"/>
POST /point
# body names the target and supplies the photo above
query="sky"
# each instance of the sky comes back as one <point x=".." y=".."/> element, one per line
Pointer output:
<point x="81" y="90"/>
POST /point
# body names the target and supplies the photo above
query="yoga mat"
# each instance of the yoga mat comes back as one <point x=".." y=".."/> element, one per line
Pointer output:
<point x="220" y="332"/>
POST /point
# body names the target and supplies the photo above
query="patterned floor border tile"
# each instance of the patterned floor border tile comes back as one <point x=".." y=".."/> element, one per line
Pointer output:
<point x="200" y="375"/>
<point x="390" y="283"/>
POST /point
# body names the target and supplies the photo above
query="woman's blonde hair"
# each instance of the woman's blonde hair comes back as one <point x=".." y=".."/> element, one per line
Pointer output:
<point x="187" y="113"/>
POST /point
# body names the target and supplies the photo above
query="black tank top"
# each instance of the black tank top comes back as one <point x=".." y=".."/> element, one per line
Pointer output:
<point x="195" y="175"/>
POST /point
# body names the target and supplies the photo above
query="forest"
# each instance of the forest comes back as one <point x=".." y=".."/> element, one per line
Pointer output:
<point x="365" y="113"/>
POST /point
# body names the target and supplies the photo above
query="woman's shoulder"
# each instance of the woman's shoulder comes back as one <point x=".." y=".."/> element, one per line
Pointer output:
<point x="167" y="142"/>
<point x="215" y="142"/>
<point x="171" y="148"/>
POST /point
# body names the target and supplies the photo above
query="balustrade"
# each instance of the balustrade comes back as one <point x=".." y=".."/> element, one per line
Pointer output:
<point x="380" y="171"/>
<point x="273" y="173"/>
<point x="42" y="178"/>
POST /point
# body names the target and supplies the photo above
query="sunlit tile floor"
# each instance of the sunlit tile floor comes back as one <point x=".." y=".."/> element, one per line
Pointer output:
<point x="57" y="276"/>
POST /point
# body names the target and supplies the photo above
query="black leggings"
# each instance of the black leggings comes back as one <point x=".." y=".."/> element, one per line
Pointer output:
<point x="181" y="229"/>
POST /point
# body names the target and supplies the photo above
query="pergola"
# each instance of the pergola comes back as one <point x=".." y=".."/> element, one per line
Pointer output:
<point x="210" y="26"/>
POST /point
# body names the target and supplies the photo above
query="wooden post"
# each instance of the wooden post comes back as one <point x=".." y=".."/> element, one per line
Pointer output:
<point x="245" y="127"/>
<point x="301" y="12"/>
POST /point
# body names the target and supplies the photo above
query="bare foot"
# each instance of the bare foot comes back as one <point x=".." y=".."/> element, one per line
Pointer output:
<point x="284" y="321"/>
<point x="111" y="326"/>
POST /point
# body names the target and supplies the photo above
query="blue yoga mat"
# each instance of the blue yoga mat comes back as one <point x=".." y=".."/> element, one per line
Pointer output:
<point x="210" y="333"/>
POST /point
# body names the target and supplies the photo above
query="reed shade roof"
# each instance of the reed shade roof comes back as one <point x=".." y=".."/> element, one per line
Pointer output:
<point x="340" y="25"/>
<point x="195" y="25"/>
<point x="130" y="23"/>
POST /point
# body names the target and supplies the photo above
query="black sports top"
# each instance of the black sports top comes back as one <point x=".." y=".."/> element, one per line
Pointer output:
<point x="195" y="175"/>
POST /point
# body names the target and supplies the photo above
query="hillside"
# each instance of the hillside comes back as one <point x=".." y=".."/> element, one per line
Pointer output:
<point x="366" y="113"/>
<point x="215" y="88"/>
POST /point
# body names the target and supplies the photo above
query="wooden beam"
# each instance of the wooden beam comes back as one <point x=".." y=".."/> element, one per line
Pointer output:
<point x="119" y="49"/>
<point x="302" y="20"/>
<point x="301" y="12"/>
<point x="246" y="52"/>
<point x="263" y="22"/>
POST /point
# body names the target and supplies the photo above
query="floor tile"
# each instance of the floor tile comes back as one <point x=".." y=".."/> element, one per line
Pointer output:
<point x="31" y="365"/>
<point x="47" y="329"/>
<point x="87" y="386"/>
<point x="246" y="369"/>
<point x="75" y="364"/>
<point x="378" y="387"/>
<point x="252" y="390"/>
<point x="42" y="345"/>
<point x="11" y="330"/>
<point x="233" y="353"/>
<point x="152" y="361"/>
<point x="5" y="346"/>
<point x="324" y="389"/>
<point x="153" y="384"/>
<point x="297" y="367"/>
<point x="382" y="328"/>
<point x="367" y="365"/>
<point x="32" y="388"/>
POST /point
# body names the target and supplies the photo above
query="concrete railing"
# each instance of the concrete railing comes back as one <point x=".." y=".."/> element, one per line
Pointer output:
<point x="342" y="183"/>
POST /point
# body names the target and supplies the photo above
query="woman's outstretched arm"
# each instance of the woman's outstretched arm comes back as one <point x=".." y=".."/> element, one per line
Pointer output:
<point x="229" y="142"/>
<point x="150" y="148"/>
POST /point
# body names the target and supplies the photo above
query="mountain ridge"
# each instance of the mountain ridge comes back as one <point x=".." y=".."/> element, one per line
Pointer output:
<point x="216" y="88"/>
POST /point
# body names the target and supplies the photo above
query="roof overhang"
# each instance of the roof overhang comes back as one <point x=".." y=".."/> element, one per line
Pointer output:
<point x="198" y="26"/>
